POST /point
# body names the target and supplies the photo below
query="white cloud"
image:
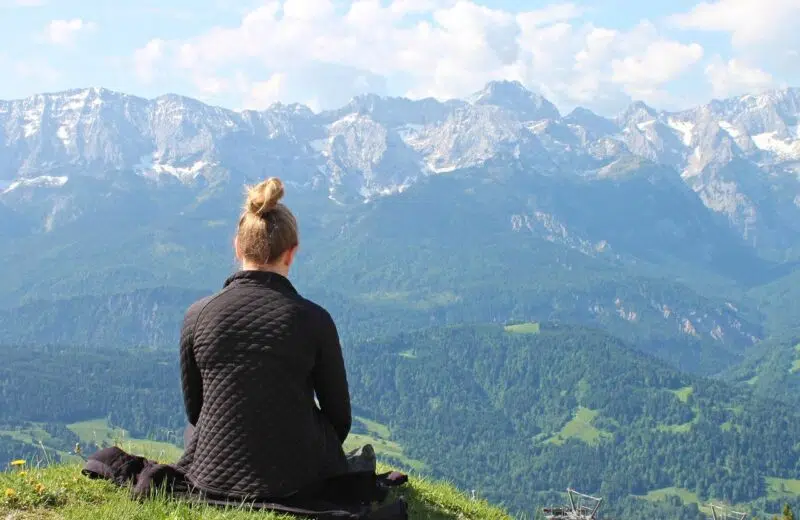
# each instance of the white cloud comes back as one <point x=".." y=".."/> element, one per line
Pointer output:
<point x="64" y="32"/>
<point x="642" y="74"/>
<point x="295" y="50"/>
<point x="749" y="22"/>
<point x="733" y="78"/>
<point x="264" y="93"/>
<point x="146" y="58"/>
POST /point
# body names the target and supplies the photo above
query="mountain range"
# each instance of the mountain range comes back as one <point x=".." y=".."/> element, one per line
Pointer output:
<point x="739" y="156"/>
<point x="668" y="218"/>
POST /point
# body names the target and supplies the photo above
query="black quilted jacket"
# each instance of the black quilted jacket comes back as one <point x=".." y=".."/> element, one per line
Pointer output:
<point x="252" y="358"/>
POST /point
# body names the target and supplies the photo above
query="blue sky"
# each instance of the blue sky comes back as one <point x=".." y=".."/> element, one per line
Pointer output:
<point x="249" y="54"/>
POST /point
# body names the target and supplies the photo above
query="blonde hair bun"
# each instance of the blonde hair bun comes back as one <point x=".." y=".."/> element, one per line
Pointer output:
<point x="264" y="197"/>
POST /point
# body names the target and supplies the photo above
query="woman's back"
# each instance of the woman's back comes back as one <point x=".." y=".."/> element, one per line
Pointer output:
<point x="252" y="358"/>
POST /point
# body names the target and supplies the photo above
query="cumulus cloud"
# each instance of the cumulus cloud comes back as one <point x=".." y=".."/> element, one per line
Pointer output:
<point x="735" y="77"/>
<point x="750" y="22"/>
<point x="762" y="32"/>
<point x="146" y="58"/>
<point x="642" y="74"/>
<point x="264" y="93"/>
<point x="65" y="32"/>
<point x="295" y="50"/>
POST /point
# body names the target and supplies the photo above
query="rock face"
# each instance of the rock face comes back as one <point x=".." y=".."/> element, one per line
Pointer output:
<point x="741" y="156"/>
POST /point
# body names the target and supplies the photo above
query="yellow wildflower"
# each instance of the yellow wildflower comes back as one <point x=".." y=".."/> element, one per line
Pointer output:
<point x="39" y="488"/>
<point x="10" y="492"/>
<point x="18" y="462"/>
<point x="23" y="473"/>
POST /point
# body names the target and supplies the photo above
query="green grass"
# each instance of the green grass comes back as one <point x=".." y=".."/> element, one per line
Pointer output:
<point x="95" y="431"/>
<point x="728" y="426"/>
<point x="780" y="488"/>
<point x="685" y="427"/>
<point x="676" y="428"/>
<point x="580" y="427"/>
<point x="98" y="432"/>
<point x="524" y="328"/>
<point x="418" y="301"/>
<point x="688" y="497"/>
<point x="33" y="434"/>
<point x="380" y="438"/>
<point x="61" y="492"/>
<point x="680" y="428"/>
<point x="381" y="431"/>
<point x="683" y="394"/>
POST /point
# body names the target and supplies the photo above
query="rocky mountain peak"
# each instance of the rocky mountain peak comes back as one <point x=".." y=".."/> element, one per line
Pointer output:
<point x="741" y="153"/>
<point x="514" y="97"/>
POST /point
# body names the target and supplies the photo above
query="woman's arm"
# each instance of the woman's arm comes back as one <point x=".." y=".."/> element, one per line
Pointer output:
<point x="330" y="378"/>
<point x="191" y="382"/>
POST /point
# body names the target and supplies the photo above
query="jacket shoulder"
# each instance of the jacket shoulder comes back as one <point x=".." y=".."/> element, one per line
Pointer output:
<point x="193" y="312"/>
<point x="195" y="308"/>
<point x="318" y="311"/>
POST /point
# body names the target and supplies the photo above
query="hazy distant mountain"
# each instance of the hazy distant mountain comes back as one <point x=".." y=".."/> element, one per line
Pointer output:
<point x="741" y="156"/>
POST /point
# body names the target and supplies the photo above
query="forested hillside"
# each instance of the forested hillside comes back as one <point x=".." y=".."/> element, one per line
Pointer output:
<point x="398" y="263"/>
<point x="518" y="411"/>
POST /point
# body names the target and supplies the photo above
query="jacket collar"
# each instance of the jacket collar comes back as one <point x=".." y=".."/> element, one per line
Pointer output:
<point x="265" y="278"/>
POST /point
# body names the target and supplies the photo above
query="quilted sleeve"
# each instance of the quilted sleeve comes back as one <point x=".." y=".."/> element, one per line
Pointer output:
<point x="191" y="381"/>
<point x="330" y="378"/>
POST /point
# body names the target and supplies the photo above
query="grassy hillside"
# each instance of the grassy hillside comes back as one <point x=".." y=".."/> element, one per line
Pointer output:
<point x="61" y="492"/>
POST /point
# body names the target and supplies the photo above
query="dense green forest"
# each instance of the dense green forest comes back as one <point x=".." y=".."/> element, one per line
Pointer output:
<point x="573" y="406"/>
<point x="403" y="262"/>
<point x="520" y="412"/>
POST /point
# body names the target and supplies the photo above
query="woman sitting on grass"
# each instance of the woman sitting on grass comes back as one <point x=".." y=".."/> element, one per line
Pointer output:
<point x="253" y="356"/>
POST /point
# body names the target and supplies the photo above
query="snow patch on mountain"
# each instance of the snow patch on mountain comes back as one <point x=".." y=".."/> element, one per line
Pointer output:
<point x="684" y="128"/>
<point x="782" y="148"/>
<point x="150" y="167"/>
<point x="44" y="181"/>
<point x="733" y="153"/>
<point x="732" y="130"/>
<point x="645" y="124"/>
